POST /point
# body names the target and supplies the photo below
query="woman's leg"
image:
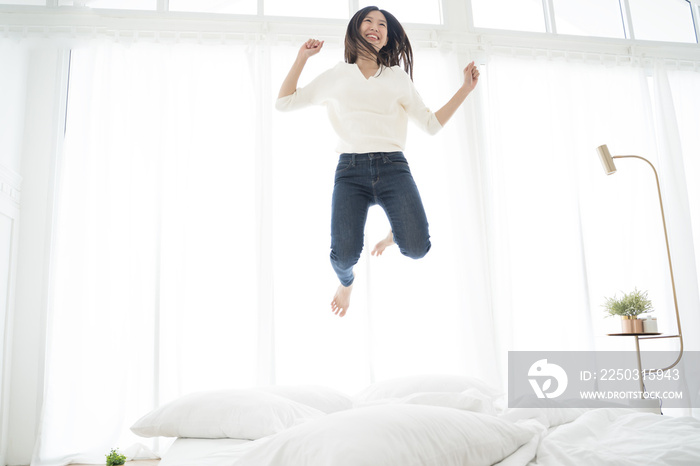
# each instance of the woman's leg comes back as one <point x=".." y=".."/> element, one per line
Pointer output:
<point x="351" y="201"/>
<point x="398" y="194"/>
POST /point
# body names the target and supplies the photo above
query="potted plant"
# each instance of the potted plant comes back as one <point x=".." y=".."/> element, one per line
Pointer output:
<point x="115" y="458"/>
<point x="629" y="307"/>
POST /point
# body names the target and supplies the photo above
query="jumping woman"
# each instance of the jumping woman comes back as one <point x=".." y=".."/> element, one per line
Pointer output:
<point x="369" y="99"/>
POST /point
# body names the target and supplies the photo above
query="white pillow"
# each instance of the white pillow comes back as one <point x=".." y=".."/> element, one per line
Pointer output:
<point x="324" y="399"/>
<point x="468" y="400"/>
<point x="392" y="435"/>
<point x="411" y="385"/>
<point x="552" y="413"/>
<point x="242" y="414"/>
<point x="549" y="415"/>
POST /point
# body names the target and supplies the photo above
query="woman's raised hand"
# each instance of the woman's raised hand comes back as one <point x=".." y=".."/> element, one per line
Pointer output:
<point x="471" y="76"/>
<point x="310" y="48"/>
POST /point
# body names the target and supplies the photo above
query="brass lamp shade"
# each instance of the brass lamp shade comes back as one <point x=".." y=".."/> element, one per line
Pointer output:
<point x="606" y="159"/>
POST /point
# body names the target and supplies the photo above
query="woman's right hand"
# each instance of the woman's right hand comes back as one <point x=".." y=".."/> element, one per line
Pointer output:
<point x="310" y="48"/>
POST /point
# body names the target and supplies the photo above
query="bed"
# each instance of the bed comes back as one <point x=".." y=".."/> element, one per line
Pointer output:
<point x="410" y="421"/>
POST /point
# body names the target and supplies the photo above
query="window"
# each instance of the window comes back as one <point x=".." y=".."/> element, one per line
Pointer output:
<point x="307" y="8"/>
<point x="112" y="4"/>
<point x="519" y="15"/>
<point x="663" y="20"/>
<point x="410" y="11"/>
<point x="600" y="18"/>
<point x="24" y="2"/>
<point x="239" y="7"/>
<point x="652" y="20"/>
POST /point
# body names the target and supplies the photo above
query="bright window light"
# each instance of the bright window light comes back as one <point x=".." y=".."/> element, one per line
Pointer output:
<point x="307" y="8"/>
<point x="599" y="18"/>
<point x="518" y="15"/>
<point x="112" y="4"/>
<point x="238" y="7"/>
<point x="410" y="11"/>
<point x="663" y="20"/>
<point x="24" y="2"/>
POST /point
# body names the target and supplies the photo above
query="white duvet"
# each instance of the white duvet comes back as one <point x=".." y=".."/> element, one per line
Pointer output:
<point x="416" y="422"/>
<point x="615" y="437"/>
<point x="205" y="452"/>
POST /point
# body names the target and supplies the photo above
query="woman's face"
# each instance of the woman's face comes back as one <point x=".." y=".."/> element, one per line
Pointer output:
<point x="374" y="30"/>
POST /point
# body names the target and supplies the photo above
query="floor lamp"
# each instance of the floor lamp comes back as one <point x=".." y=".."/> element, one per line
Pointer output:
<point x="609" y="167"/>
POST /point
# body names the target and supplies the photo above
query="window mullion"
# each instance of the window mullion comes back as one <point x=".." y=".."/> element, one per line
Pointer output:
<point x="549" y="21"/>
<point x="458" y="15"/>
<point x="695" y="11"/>
<point x="627" y="18"/>
<point x="353" y="6"/>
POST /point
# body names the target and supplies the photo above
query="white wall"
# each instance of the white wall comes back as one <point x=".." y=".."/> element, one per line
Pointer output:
<point x="10" y="183"/>
<point x="38" y="137"/>
<point x="13" y="78"/>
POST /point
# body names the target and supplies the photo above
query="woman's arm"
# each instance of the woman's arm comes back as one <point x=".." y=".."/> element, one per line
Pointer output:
<point x="310" y="48"/>
<point x="471" y="78"/>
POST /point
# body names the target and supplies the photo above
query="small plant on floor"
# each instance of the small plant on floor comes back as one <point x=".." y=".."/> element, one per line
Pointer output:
<point x="114" y="458"/>
<point x="630" y="305"/>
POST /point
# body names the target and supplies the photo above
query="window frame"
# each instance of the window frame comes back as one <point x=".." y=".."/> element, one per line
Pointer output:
<point x="457" y="28"/>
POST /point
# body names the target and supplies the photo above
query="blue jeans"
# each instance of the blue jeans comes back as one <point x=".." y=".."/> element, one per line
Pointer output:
<point x="361" y="181"/>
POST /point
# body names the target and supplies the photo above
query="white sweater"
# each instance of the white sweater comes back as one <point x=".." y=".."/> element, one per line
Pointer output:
<point x="369" y="115"/>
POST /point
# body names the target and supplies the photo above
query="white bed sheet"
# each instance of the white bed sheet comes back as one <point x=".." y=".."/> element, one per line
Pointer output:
<point x="619" y="437"/>
<point x="608" y="436"/>
<point x="205" y="452"/>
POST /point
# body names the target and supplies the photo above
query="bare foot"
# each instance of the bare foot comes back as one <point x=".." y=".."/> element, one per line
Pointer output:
<point x="383" y="244"/>
<point x="341" y="300"/>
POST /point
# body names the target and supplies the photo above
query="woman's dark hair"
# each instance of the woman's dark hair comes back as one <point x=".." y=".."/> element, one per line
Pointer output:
<point x="396" y="51"/>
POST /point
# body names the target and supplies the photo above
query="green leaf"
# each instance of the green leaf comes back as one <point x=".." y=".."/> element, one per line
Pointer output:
<point x="631" y="304"/>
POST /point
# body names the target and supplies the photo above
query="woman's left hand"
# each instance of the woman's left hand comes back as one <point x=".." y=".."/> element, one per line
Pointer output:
<point x="471" y="77"/>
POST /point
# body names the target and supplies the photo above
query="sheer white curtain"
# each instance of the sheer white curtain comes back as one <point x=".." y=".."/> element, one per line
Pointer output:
<point x="193" y="238"/>
<point x="678" y="93"/>
<point x="154" y="271"/>
<point x="193" y="230"/>
<point x="563" y="235"/>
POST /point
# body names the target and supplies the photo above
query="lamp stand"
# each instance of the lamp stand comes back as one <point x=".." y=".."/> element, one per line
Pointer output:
<point x="673" y="283"/>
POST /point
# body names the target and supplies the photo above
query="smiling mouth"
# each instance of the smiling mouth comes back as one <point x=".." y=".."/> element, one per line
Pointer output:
<point x="372" y="37"/>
